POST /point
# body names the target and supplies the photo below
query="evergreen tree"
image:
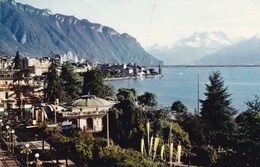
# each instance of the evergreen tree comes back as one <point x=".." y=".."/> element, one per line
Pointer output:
<point x="71" y="81"/>
<point x="248" y="139"/>
<point x="17" y="61"/>
<point x="217" y="113"/>
<point x="93" y="84"/>
<point x="54" y="89"/>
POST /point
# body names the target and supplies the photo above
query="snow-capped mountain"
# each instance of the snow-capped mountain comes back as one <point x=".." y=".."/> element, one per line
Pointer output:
<point x="214" y="40"/>
<point x="246" y="52"/>
<point x="197" y="45"/>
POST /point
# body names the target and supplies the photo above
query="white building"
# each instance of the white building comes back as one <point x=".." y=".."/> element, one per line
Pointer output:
<point x="86" y="113"/>
<point x="41" y="65"/>
<point x="6" y="62"/>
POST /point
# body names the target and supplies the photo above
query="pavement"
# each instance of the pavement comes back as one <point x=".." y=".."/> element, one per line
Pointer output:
<point x="6" y="160"/>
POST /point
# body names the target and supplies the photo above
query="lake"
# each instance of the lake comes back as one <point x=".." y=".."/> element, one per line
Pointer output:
<point x="184" y="83"/>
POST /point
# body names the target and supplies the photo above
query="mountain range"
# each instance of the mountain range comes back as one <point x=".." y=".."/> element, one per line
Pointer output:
<point x="38" y="32"/>
<point x="246" y="52"/>
<point x="187" y="50"/>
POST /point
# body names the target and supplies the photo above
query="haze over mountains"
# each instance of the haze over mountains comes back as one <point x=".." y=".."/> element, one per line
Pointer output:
<point x="37" y="32"/>
<point x="246" y="52"/>
<point x="187" y="50"/>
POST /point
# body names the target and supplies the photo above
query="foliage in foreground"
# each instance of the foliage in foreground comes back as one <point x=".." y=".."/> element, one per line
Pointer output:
<point x="92" y="151"/>
<point x="213" y="138"/>
<point x="117" y="156"/>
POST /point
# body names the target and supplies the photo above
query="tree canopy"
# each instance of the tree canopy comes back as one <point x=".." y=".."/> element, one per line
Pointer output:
<point x="148" y="99"/>
<point x="71" y="81"/>
<point x="248" y="139"/>
<point x="179" y="107"/>
<point x="217" y="112"/>
<point x="93" y="84"/>
<point x="54" y="89"/>
<point x="17" y="61"/>
<point x="126" y="94"/>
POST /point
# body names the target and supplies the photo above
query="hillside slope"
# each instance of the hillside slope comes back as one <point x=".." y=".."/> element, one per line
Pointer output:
<point x="37" y="32"/>
<point x="246" y="52"/>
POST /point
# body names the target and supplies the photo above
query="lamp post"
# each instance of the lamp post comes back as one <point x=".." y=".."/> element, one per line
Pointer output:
<point x="56" y="103"/>
<point x="8" y="137"/>
<point x="107" y="129"/>
<point x="13" y="138"/>
<point x="27" y="151"/>
<point x="37" y="161"/>
<point x="55" y="114"/>
<point x="1" y="124"/>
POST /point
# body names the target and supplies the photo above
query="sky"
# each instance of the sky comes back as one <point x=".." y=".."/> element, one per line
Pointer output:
<point x="163" y="21"/>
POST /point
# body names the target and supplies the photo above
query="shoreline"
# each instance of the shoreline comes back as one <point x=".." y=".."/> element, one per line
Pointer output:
<point x="135" y="77"/>
<point x="253" y="65"/>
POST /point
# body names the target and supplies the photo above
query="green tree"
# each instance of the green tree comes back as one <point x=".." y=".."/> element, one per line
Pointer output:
<point x="178" y="107"/>
<point x="148" y="99"/>
<point x="126" y="94"/>
<point x="163" y="125"/>
<point x="18" y="76"/>
<point x="191" y="123"/>
<point x="88" y="147"/>
<point x="248" y="139"/>
<point x="126" y="120"/>
<point x="54" y="89"/>
<point x="93" y="84"/>
<point x="109" y="90"/>
<point x="71" y="81"/>
<point x="17" y="61"/>
<point x="217" y="113"/>
<point x="126" y="123"/>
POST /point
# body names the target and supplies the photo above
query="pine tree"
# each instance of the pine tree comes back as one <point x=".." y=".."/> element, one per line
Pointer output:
<point x="248" y="136"/>
<point x="216" y="112"/>
<point x="54" y="89"/>
<point x="93" y="84"/>
<point x="70" y="80"/>
<point x="17" y="61"/>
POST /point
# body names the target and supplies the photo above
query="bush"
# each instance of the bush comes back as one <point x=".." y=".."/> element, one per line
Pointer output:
<point x="117" y="156"/>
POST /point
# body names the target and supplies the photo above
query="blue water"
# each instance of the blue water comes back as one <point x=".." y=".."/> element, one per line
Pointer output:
<point x="181" y="83"/>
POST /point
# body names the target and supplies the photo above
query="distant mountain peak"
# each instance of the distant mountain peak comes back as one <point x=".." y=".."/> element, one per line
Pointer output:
<point x="193" y="47"/>
<point x="245" y="52"/>
<point x="216" y="39"/>
<point x="256" y="37"/>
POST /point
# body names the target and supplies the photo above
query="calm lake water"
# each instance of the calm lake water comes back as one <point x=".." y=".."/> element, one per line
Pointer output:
<point x="181" y="83"/>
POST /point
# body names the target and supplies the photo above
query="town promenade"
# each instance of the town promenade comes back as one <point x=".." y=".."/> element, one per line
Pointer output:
<point x="6" y="160"/>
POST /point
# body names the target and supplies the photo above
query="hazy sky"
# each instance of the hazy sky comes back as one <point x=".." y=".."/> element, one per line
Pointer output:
<point x="163" y="21"/>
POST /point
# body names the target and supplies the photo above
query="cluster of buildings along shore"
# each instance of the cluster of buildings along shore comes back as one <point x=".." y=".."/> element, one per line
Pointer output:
<point x="22" y="108"/>
<point x="38" y="68"/>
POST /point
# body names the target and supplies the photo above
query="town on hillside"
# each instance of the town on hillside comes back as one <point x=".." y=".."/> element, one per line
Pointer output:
<point x="24" y="113"/>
